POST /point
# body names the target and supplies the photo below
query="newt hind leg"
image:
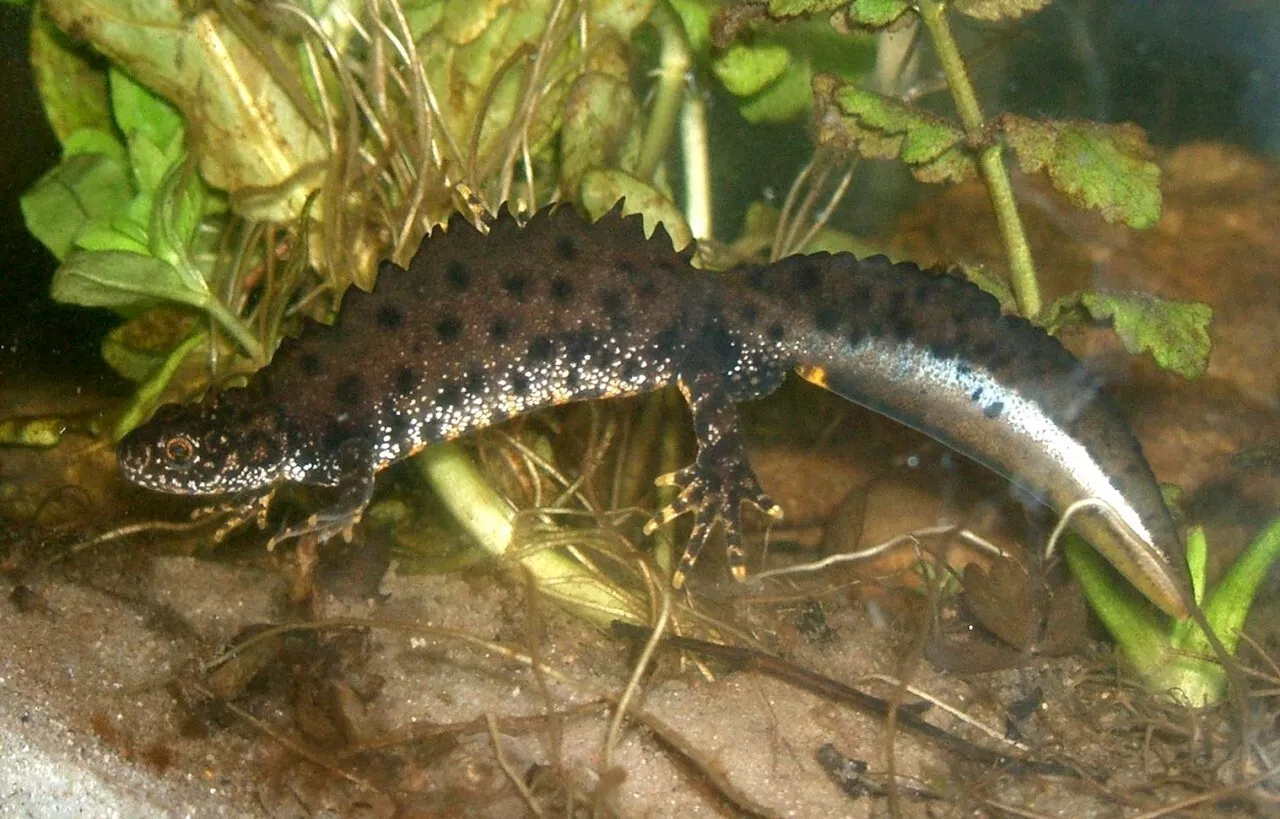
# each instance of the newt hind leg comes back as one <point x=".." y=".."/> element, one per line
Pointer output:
<point x="717" y="483"/>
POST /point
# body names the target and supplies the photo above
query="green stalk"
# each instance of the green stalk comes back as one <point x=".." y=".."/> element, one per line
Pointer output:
<point x="235" y="328"/>
<point x="1022" y="271"/>
<point x="673" y="65"/>
<point x="488" y="518"/>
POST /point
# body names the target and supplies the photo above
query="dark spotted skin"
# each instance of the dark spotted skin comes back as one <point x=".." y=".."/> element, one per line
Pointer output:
<point x="481" y="328"/>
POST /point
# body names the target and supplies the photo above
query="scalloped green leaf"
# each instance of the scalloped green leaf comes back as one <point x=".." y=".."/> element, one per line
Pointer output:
<point x="1176" y="333"/>
<point x="747" y="69"/>
<point x="851" y="119"/>
<point x="1104" y="167"/>
<point x="992" y="10"/>
<point x="877" y="13"/>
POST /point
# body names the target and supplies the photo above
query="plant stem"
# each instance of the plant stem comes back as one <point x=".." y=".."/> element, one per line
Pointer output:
<point x="673" y="65"/>
<point x="1022" y="271"/>
<point x="235" y="328"/>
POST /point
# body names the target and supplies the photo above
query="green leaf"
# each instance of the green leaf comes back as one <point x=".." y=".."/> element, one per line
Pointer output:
<point x="122" y="281"/>
<point x="1228" y="603"/>
<point x="695" y="17"/>
<point x="877" y="13"/>
<point x="997" y="9"/>
<point x="95" y="141"/>
<point x="138" y="348"/>
<point x="993" y="284"/>
<point x="599" y="118"/>
<point x="745" y="70"/>
<point x="140" y="114"/>
<point x="81" y="189"/>
<point x="850" y="119"/>
<point x="1176" y="333"/>
<point x="1106" y="167"/>
<point x="621" y="16"/>
<point x="122" y="234"/>
<point x="601" y="190"/>
<point x="72" y="86"/>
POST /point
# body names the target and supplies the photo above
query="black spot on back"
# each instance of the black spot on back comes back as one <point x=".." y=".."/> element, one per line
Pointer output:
<point x="406" y="380"/>
<point x="756" y="276"/>
<point x="390" y="317"/>
<point x="310" y="364"/>
<point x="994" y="410"/>
<point x="349" y="390"/>
<point x="630" y="369"/>
<point x="516" y="284"/>
<point x="627" y="268"/>
<point x="562" y="289"/>
<point x="458" y="275"/>
<point x="475" y="382"/>
<point x="827" y="318"/>
<point x="665" y="341"/>
<point x="976" y="395"/>
<point x="449" y="328"/>
<point x="567" y="248"/>
<point x="580" y="346"/>
<point x="450" y="395"/>
<point x="750" y="315"/>
<point x="396" y="422"/>
<point x="520" y="384"/>
<point x="776" y="332"/>
<point x="612" y="302"/>
<point x="541" y="349"/>
<point x="499" y="330"/>
<point x="808" y="276"/>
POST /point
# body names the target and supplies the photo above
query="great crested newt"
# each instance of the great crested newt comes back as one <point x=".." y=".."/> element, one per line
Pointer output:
<point x="483" y="327"/>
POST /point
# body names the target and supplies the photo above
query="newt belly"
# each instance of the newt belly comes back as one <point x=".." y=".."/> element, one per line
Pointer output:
<point x="481" y="328"/>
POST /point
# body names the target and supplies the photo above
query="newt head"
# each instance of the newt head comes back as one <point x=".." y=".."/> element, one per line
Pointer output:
<point x="226" y="443"/>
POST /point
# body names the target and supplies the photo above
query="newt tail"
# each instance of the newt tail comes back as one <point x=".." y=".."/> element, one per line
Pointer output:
<point x="481" y="328"/>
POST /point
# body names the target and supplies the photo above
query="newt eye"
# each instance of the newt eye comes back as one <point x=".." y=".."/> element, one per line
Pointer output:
<point x="179" y="450"/>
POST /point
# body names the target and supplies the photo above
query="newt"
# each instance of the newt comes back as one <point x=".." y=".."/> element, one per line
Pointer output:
<point x="483" y="327"/>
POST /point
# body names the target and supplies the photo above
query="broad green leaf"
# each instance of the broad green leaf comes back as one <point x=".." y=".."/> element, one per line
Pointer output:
<point x="875" y="126"/>
<point x="78" y="191"/>
<point x="122" y="281"/>
<point x="877" y="13"/>
<point x="1106" y="167"/>
<point x="95" y="141"/>
<point x="998" y="9"/>
<point x="245" y="128"/>
<point x="598" y="132"/>
<point x="150" y="163"/>
<point x="745" y="70"/>
<point x="72" y="88"/>
<point x="122" y="234"/>
<point x="139" y="113"/>
<point x="601" y="190"/>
